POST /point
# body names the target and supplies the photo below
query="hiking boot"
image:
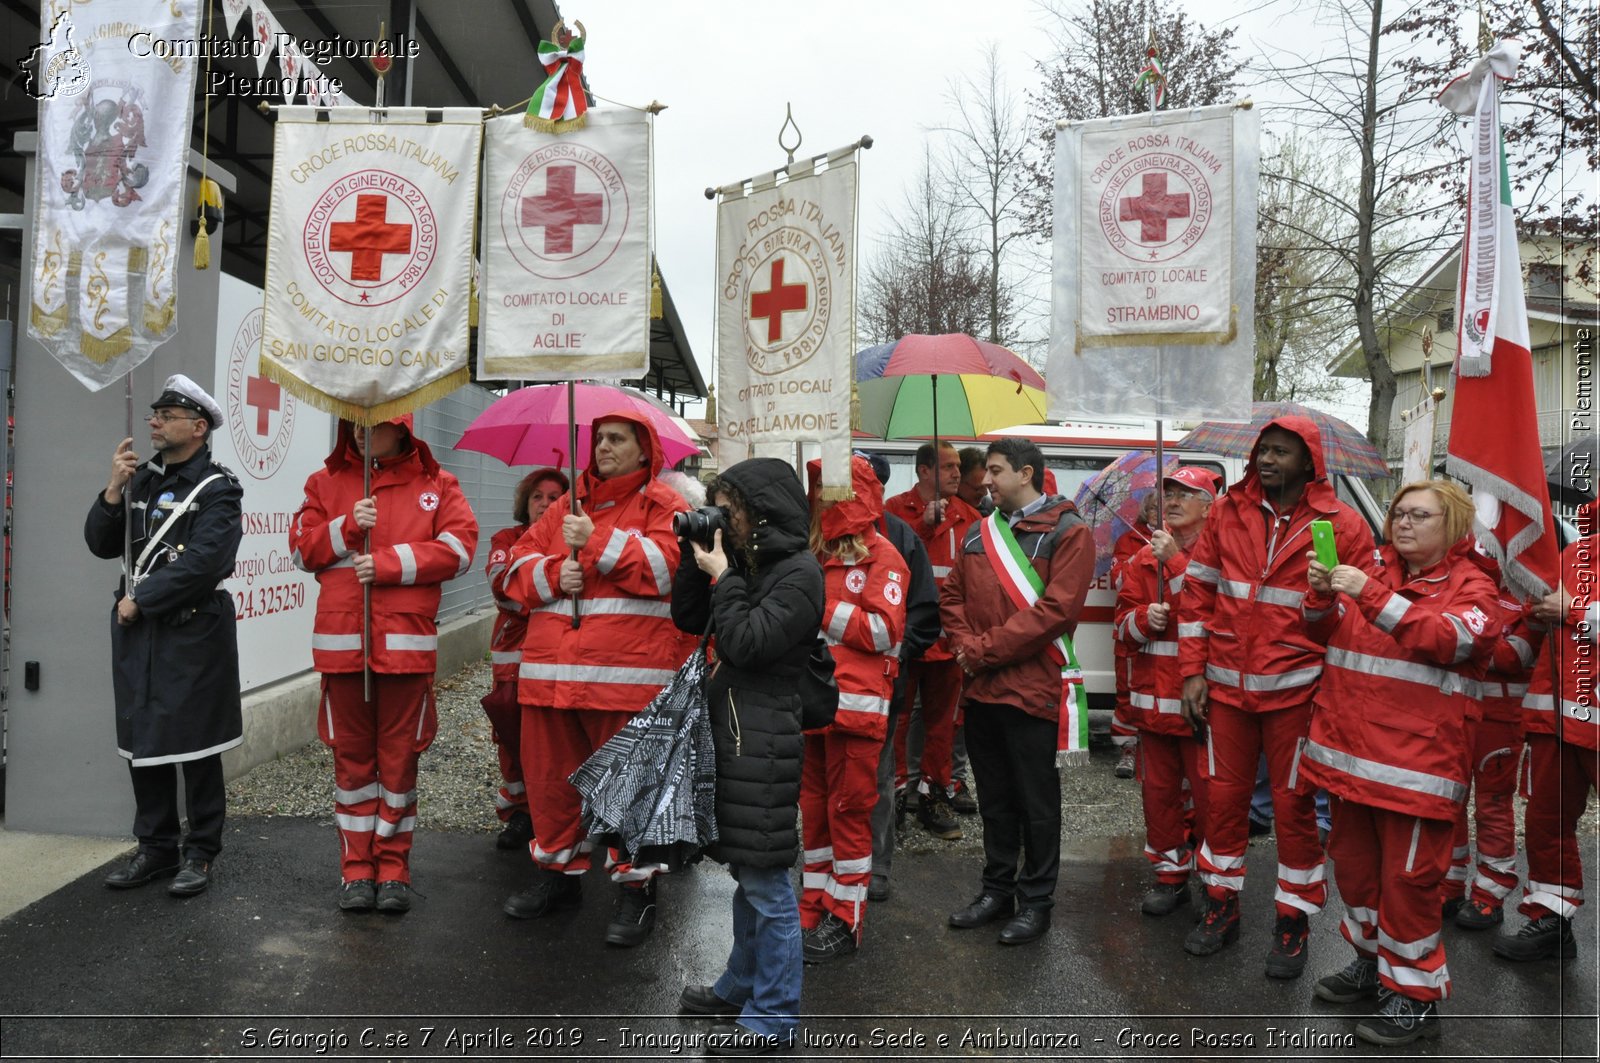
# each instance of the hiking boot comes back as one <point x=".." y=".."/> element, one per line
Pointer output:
<point x="878" y="889"/>
<point x="1480" y="915"/>
<point x="1449" y="907"/>
<point x="1400" y="1021"/>
<point x="1544" y="938"/>
<point x="1291" y="939"/>
<point x="394" y="896"/>
<point x="1165" y="898"/>
<point x="1218" y="926"/>
<point x="962" y="802"/>
<point x="634" y="915"/>
<point x="358" y="895"/>
<point x="937" y="817"/>
<point x="828" y="940"/>
<point x="518" y="832"/>
<point x="1357" y="981"/>
<point x="1127" y="760"/>
<point x="550" y="892"/>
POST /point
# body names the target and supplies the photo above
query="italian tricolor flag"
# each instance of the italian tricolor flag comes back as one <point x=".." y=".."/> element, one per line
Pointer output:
<point x="1494" y="426"/>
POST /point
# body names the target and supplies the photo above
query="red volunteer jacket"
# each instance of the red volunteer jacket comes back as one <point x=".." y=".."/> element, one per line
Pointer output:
<point x="426" y="534"/>
<point x="1389" y="723"/>
<point x="863" y="620"/>
<point x="943" y="542"/>
<point x="1245" y="581"/>
<point x="511" y="622"/>
<point x="1576" y="656"/>
<point x="626" y="647"/>
<point x="1155" y="689"/>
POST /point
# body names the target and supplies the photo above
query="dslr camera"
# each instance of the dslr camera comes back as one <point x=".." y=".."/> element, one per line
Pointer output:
<point x="701" y="525"/>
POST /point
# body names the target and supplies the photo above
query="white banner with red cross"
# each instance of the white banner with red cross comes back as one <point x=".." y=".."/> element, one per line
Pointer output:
<point x="786" y="317"/>
<point x="566" y="250"/>
<point x="369" y="257"/>
<point x="113" y="154"/>
<point x="1154" y="265"/>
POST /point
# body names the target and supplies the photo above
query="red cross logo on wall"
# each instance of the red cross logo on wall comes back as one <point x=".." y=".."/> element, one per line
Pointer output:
<point x="369" y="237"/>
<point x="778" y="298"/>
<point x="561" y="208"/>
<point x="1153" y="207"/>
<point x="264" y="397"/>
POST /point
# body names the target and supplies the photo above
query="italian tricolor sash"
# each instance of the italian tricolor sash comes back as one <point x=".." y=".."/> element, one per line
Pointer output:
<point x="1023" y="586"/>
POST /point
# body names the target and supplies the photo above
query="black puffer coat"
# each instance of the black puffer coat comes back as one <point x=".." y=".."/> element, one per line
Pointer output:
<point x="765" y="623"/>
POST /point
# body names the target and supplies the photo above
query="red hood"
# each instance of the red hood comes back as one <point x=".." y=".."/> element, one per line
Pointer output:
<point x="646" y="432"/>
<point x="344" y="446"/>
<point x="1309" y="434"/>
<point x="854" y="515"/>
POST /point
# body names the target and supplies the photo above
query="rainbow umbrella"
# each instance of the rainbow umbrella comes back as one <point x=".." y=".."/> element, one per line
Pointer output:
<point x="949" y="385"/>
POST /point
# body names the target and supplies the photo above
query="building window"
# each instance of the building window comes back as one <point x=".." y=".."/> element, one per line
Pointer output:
<point x="1447" y="319"/>
<point x="1545" y="281"/>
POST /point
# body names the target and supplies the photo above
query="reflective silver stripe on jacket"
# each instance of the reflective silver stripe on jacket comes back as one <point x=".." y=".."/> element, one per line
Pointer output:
<point x="863" y="703"/>
<point x="408" y="563"/>
<point x="505" y="657"/>
<point x="1572" y="710"/>
<point x="1524" y="650"/>
<point x="336" y="538"/>
<point x="450" y="540"/>
<point x="840" y="620"/>
<point x="1393" y="611"/>
<point x="1503" y="690"/>
<point x="658" y="564"/>
<point x="596" y="673"/>
<point x="1463" y="638"/>
<point x="1440" y="679"/>
<point x="1203" y="573"/>
<point x="1193" y="629"/>
<point x="941" y="571"/>
<point x="1165" y="648"/>
<point x="319" y="641"/>
<point x="880" y="632"/>
<point x="613" y="607"/>
<point x="411" y="643"/>
<point x="1386" y="774"/>
<point x="1262" y="683"/>
<point x="613" y="551"/>
<point x="1281" y="596"/>
<point x="1151" y="703"/>
<point x="1234" y="588"/>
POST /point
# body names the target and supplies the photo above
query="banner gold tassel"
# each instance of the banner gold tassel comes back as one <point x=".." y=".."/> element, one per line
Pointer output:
<point x="207" y="216"/>
<point x="656" y="310"/>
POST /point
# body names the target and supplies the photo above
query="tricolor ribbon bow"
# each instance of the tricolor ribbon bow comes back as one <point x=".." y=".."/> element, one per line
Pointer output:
<point x="559" y="104"/>
<point x="1153" y="73"/>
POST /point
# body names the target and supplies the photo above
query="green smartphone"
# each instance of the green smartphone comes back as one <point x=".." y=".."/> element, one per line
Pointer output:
<point x="1322" y="542"/>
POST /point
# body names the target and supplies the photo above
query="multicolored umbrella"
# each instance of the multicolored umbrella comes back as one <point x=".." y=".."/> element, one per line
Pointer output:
<point x="529" y="426"/>
<point x="1344" y="450"/>
<point x="1109" y="500"/>
<point x="945" y="386"/>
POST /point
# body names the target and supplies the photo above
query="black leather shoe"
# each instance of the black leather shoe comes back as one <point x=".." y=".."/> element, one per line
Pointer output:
<point x="985" y="909"/>
<point x="146" y="866"/>
<point x="702" y="1001"/>
<point x="193" y="878"/>
<point x="517" y="834"/>
<point x="731" y="1039"/>
<point x="358" y="895"/>
<point x="393" y="896"/>
<point x="550" y="892"/>
<point x="1027" y="925"/>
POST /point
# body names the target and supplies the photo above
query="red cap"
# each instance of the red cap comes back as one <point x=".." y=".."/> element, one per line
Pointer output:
<point x="1196" y="479"/>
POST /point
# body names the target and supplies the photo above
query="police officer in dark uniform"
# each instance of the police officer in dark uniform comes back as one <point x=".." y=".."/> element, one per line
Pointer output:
<point x="175" y="655"/>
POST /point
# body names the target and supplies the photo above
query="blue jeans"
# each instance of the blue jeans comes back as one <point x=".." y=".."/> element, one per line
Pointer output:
<point x="764" y="964"/>
<point x="1261" y="800"/>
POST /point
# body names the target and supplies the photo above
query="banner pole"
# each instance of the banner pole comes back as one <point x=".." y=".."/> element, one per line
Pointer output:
<point x="366" y="588"/>
<point x="127" y="504"/>
<point x="572" y="458"/>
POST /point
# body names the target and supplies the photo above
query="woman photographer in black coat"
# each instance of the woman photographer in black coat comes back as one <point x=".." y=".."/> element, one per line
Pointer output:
<point x="759" y="591"/>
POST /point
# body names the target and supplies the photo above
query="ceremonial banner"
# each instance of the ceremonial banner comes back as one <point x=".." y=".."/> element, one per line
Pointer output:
<point x="566" y="250"/>
<point x="786" y="317"/>
<point x="109" y="217"/>
<point x="369" y="257"/>
<point x="1417" y="463"/>
<point x="1494" y="424"/>
<point x="1154" y="265"/>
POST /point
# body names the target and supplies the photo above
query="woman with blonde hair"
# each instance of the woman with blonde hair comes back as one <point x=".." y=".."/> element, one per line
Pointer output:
<point x="1406" y="646"/>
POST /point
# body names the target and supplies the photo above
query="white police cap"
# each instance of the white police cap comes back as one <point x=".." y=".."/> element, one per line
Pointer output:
<point x="179" y="390"/>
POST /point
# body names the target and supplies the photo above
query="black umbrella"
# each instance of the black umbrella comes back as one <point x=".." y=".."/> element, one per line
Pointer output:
<point x="1572" y="472"/>
<point x="652" y="785"/>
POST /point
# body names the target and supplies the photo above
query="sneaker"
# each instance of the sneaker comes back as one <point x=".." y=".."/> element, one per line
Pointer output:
<point x="1291" y="939"/>
<point x="936" y="815"/>
<point x="828" y="940"/>
<point x="1400" y="1021"/>
<point x="1544" y="938"/>
<point x="1218" y="926"/>
<point x="358" y="896"/>
<point x="1357" y="981"/>
<point x="518" y="832"/>
<point x="1480" y="915"/>
<point x="1165" y="898"/>
<point x="1126" y="760"/>
<point x="394" y="896"/>
<point x="962" y="802"/>
<point x="634" y="914"/>
<point x="550" y="892"/>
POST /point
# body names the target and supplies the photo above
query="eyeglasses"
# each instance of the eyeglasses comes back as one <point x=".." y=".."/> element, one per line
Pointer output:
<point x="167" y="417"/>
<point x="1411" y="516"/>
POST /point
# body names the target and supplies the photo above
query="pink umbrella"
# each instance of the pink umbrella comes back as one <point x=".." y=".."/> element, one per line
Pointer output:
<point x="529" y="426"/>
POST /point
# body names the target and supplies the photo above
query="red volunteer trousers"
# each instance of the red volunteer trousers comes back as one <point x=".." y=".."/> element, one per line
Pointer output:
<point x="1496" y="748"/>
<point x="1236" y="741"/>
<point x="375" y="748"/>
<point x="939" y="684"/>
<point x="1389" y="866"/>
<point x="555" y="742"/>
<point x="505" y="723"/>
<point x="838" y="788"/>
<point x="1172" y="782"/>
<point x="1560" y="776"/>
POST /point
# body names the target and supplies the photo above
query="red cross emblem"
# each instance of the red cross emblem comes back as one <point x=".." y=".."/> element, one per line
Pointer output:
<point x="1153" y="207"/>
<point x="263" y="396"/>
<point x="369" y="237"/>
<point x="778" y="298"/>
<point x="561" y="208"/>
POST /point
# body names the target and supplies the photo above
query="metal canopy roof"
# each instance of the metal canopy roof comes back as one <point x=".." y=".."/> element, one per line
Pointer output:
<point x="470" y="53"/>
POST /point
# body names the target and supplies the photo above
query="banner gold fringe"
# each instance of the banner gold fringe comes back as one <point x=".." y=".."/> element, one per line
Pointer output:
<point x="157" y="319"/>
<point x="100" y="351"/>
<point x="837" y="494"/>
<point x="472" y="306"/>
<point x="48" y="323"/>
<point x="364" y="415"/>
<point x="1161" y="339"/>
<point x="562" y="125"/>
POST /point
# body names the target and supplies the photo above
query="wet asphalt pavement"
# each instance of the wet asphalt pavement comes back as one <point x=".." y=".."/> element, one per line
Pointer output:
<point x="264" y="965"/>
